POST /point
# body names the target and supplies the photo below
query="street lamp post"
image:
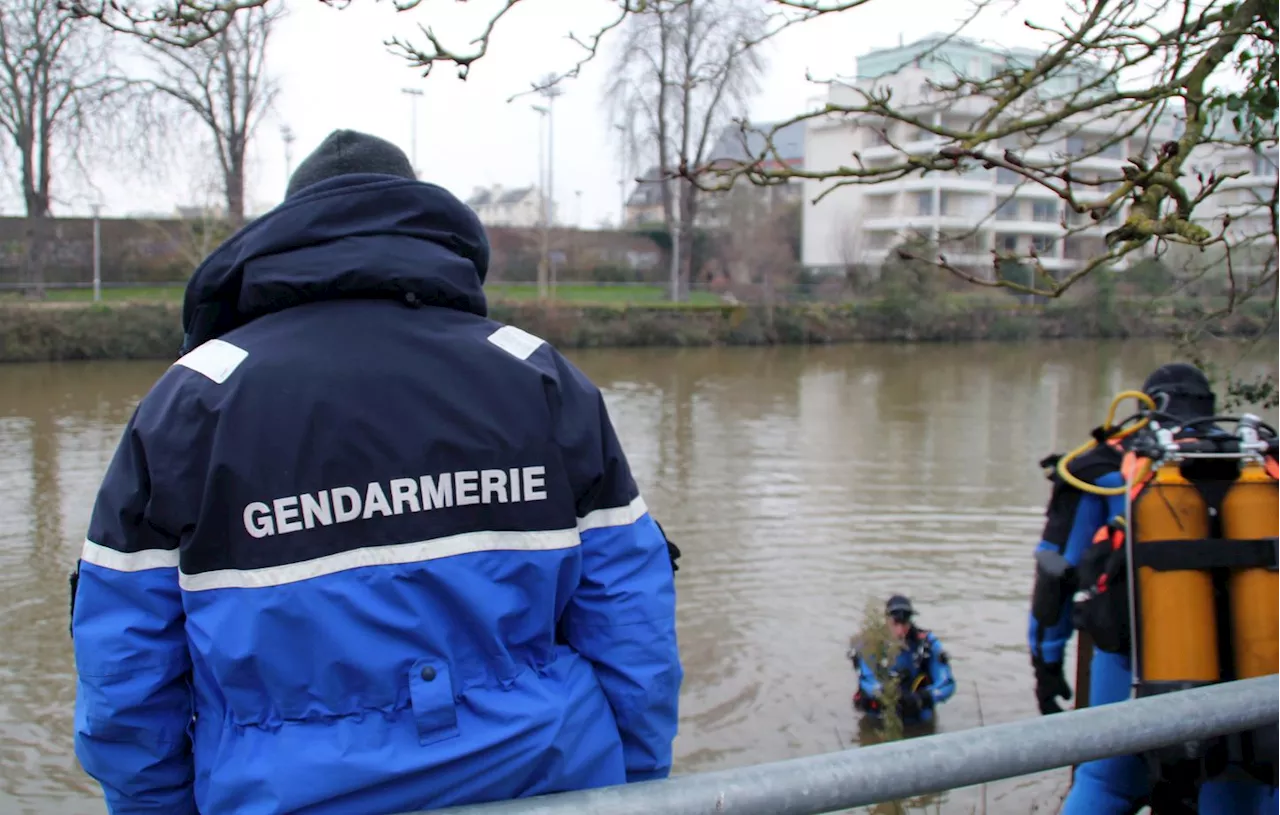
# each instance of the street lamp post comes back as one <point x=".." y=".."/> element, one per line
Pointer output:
<point x="550" y="91"/>
<point x="286" y="133"/>
<point x="414" y="94"/>
<point x="622" y="182"/>
<point x="545" y="259"/>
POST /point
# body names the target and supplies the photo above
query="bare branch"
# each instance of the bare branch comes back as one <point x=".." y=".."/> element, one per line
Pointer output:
<point x="223" y="83"/>
<point x="57" y="82"/>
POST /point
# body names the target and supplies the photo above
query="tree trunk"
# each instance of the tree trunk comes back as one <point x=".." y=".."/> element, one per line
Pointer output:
<point x="688" y="220"/>
<point x="33" y="267"/>
<point x="235" y="191"/>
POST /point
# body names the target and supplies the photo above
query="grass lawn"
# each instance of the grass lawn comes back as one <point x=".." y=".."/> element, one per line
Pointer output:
<point x="135" y="294"/>
<point x="610" y="295"/>
<point x="594" y="294"/>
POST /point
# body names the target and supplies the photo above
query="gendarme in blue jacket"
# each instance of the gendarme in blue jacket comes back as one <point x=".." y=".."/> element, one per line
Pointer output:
<point x="364" y="550"/>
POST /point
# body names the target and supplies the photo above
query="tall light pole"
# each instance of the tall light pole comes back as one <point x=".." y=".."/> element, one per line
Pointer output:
<point x="551" y="91"/>
<point x="414" y="94"/>
<point x="286" y="133"/>
<point x="622" y="181"/>
<point x="544" y="261"/>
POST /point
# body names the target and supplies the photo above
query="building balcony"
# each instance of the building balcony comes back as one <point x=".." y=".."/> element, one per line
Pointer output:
<point x="971" y="259"/>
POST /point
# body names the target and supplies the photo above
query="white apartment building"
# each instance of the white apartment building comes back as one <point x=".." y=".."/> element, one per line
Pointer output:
<point x="1244" y="198"/>
<point x="968" y="215"/>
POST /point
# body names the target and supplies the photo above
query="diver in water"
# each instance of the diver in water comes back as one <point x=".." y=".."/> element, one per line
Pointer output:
<point x="921" y="668"/>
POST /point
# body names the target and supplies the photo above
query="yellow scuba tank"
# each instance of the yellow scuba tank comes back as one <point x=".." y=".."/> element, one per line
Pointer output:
<point x="1250" y="511"/>
<point x="1177" y="621"/>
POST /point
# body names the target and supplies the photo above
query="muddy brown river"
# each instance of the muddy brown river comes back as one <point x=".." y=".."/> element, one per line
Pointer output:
<point x="799" y="482"/>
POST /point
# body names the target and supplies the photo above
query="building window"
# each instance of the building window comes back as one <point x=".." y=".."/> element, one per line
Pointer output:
<point x="924" y="202"/>
<point x="1042" y="244"/>
<point x="1008" y="210"/>
<point x="1263" y="165"/>
<point x="1007" y="243"/>
<point x="1007" y="176"/>
<point x="1044" y="211"/>
<point x="947" y="204"/>
<point x="1075" y="146"/>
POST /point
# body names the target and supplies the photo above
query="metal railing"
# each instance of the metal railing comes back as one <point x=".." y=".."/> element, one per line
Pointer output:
<point x="834" y="781"/>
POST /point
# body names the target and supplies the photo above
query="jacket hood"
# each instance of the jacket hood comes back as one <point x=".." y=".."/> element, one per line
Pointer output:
<point x="355" y="236"/>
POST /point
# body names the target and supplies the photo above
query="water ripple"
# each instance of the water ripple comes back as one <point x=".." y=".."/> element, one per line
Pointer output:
<point x="801" y="484"/>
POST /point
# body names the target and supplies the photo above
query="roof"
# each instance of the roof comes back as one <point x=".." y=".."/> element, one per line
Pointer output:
<point x="499" y="197"/>
<point x="648" y="191"/>
<point x="736" y="145"/>
<point x="514" y="196"/>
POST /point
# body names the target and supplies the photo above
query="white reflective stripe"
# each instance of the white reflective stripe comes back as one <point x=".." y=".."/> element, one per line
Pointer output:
<point x="515" y="341"/>
<point x="416" y="552"/>
<point x="99" y="555"/>
<point x="614" y="516"/>
<point x="216" y="359"/>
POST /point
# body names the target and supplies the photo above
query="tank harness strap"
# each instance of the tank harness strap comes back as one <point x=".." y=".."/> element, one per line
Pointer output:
<point x="1272" y="468"/>
<point x="1207" y="553"/>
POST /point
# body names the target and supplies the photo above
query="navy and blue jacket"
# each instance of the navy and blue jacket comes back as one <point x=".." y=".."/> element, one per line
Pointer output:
<point x="364" y="550"/>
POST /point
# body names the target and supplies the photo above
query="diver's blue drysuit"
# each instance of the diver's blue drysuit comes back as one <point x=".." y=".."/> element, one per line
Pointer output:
<point x="924" y="670"/>
<point x="1110" y="786"/>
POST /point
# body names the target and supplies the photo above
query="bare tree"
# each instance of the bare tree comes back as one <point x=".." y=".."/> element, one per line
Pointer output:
<point x="684" y="68"/>
<point x="55" y="80"/>
<point x="1160" y="80"/>
<point x="202" y="225"/>
<point x="756" y="244"/>
<point x="223" y="82"/>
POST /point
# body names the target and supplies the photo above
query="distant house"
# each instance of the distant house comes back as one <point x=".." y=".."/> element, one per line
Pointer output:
<point x="644" y="205"/>
<point x="732" y="147"/>
<point x="785" y="148"/>
<point x="520" y="207"/>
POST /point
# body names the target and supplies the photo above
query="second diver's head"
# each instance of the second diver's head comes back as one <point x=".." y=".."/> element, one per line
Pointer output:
<point x="1181" y="391"/>
<point x="899" y="612"/>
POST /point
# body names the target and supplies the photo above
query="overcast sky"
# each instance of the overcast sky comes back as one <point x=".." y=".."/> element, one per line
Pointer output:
<point x="335" y="72"/>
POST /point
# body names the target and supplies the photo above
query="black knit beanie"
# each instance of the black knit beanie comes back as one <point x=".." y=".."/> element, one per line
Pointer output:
<point x="348" y="151"/>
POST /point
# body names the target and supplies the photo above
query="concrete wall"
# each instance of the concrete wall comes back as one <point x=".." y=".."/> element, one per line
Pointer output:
<point x="156" y="251"/>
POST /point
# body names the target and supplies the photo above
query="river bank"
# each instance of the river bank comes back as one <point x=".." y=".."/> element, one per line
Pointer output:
<point x="68" y="331"/>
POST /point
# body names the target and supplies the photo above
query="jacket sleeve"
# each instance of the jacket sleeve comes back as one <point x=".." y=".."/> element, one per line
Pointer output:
<point x="1072" y="519"/>
<point x="622" y="615"/>
<point x="867" y="681"/>
<point x="942" y="682"/>
<point x="133" y="699"/>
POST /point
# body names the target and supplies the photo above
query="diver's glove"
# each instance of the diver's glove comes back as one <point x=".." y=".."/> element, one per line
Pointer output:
<point x="909" y="706"/>
<point x="1050" y="685"/>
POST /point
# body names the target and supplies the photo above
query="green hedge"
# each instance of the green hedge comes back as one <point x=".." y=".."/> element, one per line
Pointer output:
<point x="64" y="331"/>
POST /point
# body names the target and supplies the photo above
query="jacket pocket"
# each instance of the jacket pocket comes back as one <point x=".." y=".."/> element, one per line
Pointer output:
<point x="431" y="695"/>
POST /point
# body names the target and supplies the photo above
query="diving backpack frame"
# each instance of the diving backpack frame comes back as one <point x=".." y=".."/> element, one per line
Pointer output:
<point x="1186" y="581"/>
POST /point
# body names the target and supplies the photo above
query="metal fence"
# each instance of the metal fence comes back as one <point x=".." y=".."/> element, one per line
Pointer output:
<point x="887" y="772"/>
